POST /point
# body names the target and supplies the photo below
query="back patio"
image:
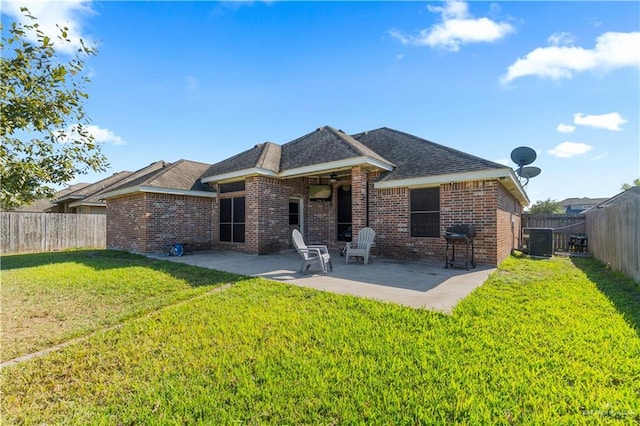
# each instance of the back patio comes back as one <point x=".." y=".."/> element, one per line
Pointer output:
<point x="417" y="284"/>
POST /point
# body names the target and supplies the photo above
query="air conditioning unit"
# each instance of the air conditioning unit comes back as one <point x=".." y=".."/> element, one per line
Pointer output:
<point x="538" y="241"/>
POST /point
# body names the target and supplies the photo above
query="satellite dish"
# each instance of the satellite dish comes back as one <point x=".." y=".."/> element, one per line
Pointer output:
<point x="529" y="172"/>
<point x="523" y="155"/>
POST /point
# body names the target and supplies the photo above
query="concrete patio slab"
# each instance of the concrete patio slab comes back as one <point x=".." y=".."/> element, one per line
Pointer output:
<point x="417" y="284"/>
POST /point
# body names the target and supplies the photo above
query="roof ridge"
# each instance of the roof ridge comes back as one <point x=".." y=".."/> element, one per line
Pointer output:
<point x="271" y="153"/>
<point x="356" y="145"/>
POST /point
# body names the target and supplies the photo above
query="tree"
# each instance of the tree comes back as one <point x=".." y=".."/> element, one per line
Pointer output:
<point x="547" y="206"/>
<point x="625" y="186"/>
<point x="43" y="121"/>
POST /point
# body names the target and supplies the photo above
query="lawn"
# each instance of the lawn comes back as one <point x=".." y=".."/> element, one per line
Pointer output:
<point x="49" y="298"/>
<point x="542" y="342"/>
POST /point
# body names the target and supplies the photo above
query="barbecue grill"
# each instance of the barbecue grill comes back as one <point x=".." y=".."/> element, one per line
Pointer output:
<point x="460" y="235"/>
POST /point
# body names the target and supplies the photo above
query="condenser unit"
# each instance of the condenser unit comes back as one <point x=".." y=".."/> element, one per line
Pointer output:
<point x="538" y="241"/>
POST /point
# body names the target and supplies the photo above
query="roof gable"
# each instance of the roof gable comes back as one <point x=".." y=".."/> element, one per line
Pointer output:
<point x="263" y="156"/>
<point x="324" y="145"/>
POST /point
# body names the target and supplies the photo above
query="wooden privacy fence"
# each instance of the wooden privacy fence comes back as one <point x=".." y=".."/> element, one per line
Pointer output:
<point x="22" y="232"/>
<point x="614" y="236"/>
<point x="563" y="226"/>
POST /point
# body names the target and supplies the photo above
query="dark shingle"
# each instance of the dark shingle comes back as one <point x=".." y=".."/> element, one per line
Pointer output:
<point x="94" y="188"/>
<point x="263" y="155"/>
<point x="324" y="145"/>
<point x="183" y="175"/>
<point x="416" y="157"/>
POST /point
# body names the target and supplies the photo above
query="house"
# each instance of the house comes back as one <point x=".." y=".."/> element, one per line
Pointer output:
<point x="79" y="201"/>
<point x="160" y="204"/>
<point x="46" y="205"/>
<point x="575" y="206"/>
<point x="323" y="183"/>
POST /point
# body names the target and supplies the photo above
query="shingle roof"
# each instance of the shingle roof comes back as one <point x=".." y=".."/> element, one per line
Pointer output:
<point x="182" y="175"/>
<point x="324" y="145"/>
<point x="583" y="200"/>
<point x="265" y="155"/>
<point x="94" y="188"/>
<point x="46" y="204"/>
<point x="417" y="157"/>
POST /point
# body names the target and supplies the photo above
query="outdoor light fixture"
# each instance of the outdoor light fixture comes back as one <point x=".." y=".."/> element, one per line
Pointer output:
<point x="333" y="177"/>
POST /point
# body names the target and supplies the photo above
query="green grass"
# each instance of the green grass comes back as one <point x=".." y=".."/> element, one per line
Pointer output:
<point x="542" y="342"/>
<point x="49" y="298"/>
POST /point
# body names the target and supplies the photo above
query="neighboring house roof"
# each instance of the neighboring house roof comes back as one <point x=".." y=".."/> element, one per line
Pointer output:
<point x="629" y="194"/>
<point x="47" y="204"/>
<point x="404" y="159"/>
<point x="91" y="189"/>
<point x="181" y="177"/>
<point x="584" y="201"/>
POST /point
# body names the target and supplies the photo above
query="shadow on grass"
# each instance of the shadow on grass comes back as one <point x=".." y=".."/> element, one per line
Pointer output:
<point x="113" y="259"/>
<point x="621" y="290"/>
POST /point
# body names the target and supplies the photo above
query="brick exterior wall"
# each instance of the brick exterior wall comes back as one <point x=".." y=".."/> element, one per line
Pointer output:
<point x="147" y="222"/>
<point x="484" y="204"/>
<point x="126" y="223"/>
<point x="509" y="222"/>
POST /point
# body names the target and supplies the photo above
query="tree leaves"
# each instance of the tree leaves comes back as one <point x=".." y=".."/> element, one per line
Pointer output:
<point x="42" y="95"/>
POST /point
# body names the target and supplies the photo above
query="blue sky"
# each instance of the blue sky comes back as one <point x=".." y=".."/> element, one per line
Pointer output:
<point x="207" y="80"/>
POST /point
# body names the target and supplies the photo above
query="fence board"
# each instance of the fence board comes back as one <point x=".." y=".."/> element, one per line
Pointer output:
<point x="614" y="236"/>
<point x="22" y="232"/>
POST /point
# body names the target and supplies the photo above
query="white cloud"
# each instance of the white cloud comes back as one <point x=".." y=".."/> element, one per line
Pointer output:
<point x="49" y="13"/>
<point x="561" y="39"/>
<point x="612" y="51"/>
<point x="105" y="135"/>
<point x="569" y="149"/>
<point x="457" y="28"/>
<point x="565" y="128"/>
<point x="99" y="135"/>
<point x="611" y="121"/>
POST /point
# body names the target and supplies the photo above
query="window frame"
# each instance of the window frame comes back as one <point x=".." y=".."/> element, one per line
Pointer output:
<point x="232" y="219"/>
<point x="424" y="209"/>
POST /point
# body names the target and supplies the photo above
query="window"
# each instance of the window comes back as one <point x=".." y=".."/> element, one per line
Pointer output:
<point x="232" y="187"/>
<point x="425" y="212"/>
<point x="232" y="219"/>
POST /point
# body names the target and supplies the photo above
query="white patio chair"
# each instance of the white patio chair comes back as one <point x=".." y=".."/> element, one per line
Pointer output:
<point x="311" y="254"/>
<point x="362" y="245"/>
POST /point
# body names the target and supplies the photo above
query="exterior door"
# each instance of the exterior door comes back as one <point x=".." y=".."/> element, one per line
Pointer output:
<point x="295" y="216"/>
<point x="344" y="212"/>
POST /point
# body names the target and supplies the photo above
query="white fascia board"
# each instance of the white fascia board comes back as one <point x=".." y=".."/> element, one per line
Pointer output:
<point x="87" y="203"/>
<point x="239" y="174"/>
<point x="68" y="197"/>
<point x="156" y="190"/>
<point x="334" y="165"/>
<point x="427" y="181"/>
